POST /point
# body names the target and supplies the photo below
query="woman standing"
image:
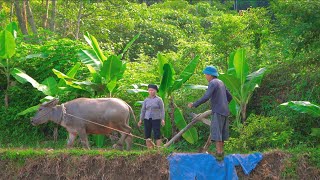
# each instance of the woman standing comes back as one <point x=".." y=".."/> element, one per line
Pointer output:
<point x="152" y="113"/>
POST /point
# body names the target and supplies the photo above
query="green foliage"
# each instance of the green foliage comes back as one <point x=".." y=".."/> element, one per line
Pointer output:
<point x="261" y="133"/>
<point x="241" y="84"/>
<point x="304" y="107"/>
<point x="105" y="71"/>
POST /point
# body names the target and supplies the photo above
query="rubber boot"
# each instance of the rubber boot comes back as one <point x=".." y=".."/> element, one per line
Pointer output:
<point x="159" y="142"/>
<point x="149" y="143"/>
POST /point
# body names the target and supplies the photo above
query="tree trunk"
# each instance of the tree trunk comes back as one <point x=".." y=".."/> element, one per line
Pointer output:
<point x="11" y="10"/>
<point x="79" y="19"/>
<point x="30" y="18"/>
<point x="22" y="24"/>
<point x="45" y="16"/>
<point x="243" y="113"/>
<point x="24" y="13"/>
<point x="53" y="16"/>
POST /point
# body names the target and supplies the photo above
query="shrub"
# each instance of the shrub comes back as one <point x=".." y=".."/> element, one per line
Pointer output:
<point x="261" y="133"/>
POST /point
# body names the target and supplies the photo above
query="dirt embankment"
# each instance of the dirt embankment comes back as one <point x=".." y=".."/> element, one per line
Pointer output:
<point x="152" y="166"/>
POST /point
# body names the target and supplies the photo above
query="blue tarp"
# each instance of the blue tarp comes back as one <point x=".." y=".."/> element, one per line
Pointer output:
<point x="202" y="166"/>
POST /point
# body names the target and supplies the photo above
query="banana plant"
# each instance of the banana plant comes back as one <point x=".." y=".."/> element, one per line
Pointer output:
<point x="49" y="87"/>
<point x="170" y="83"/>
<point x="240" y="83"/>
<point x="105" y="71"/>
<point x="308" y="108"/>
<point x="7" y="51"/>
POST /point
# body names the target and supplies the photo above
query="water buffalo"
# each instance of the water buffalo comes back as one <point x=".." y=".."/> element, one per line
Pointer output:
<point x="80" y="116"/>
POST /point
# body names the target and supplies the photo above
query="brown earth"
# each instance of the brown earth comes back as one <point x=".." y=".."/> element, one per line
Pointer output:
<point x="151" y="166"/>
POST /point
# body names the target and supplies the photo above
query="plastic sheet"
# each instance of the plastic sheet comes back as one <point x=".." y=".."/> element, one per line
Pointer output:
<point x="202" y="166"/>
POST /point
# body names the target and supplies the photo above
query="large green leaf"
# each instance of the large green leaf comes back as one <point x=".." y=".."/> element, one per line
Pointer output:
<point x="52" y="86"/>
<point x="233" y="107"/>
<point x="186" y="73"/>
<point x="7" y="44"/>
<point x="12" y="28"/>
<point x="253" y="81"/>
<point x="121" y="72"/>
<point x="241" y="65"/>
<point x="233" y="84"/>
<point x="304" y="107"/>
<point x="23" y="78"/>
<point x="129" y="44"/>
<point x="71" y="73"/>
<point x="136" y="91"/>
<point x="166" y="130"/>
<point x="99" y="140"/>
<point x="191" y="134"/>
<point x="166" y="81"/>
<point x="29" y="110"/>
<point x="111" y="67"/>
<point x="231" y="69"/>
<point x="162" y="61"/>
<point x="195" y="86"/>
<point x="92" y="41"/>
<point x="88" y="57"/>
<point x="112" y="84"/>
<point x="61" y="75"/>
<point x="96" y="78"/>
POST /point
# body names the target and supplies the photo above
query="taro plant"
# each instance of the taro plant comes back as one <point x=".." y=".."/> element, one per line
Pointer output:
<point x="308" y="108"/>
<point x="170" y="83"/>
<point x="7" y="51"/>
<point x="241" y="84"/>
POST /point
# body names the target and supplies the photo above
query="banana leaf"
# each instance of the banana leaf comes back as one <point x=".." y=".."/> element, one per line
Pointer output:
<point x="7" y="44"/>
<point x="304" y="107"/>
<point x="128" y="45"/>
<point x="111" y="67"/>
<point x="191" y="134"/>
<point x="166" y="130"/>
<point x="88" y="57"/>
<point x="22" y="77"/>
<point x="241" y="65"/>
<point x="166" y="81"/>
<point x="162" y="61"/>
<point x="12" y="28"/>
<point x="92" y="41"/>
<point x="186" y="73"/>
<point x="52" y="88"/>
<point x="29" y="110"/>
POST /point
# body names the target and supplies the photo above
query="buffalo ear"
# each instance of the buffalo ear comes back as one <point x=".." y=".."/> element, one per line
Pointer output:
<point x="51" y="103"/>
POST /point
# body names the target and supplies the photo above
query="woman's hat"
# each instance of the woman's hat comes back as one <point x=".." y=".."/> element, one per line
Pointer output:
<point x="153" y="86"/>
<point x="211" y="70"/>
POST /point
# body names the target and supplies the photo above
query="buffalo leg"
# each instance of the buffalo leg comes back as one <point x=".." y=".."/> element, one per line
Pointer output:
<point x="126" y="129"/>
<point x="84" y="139"/>
<point x="128" y="142"/>
<point x="72" y="137"/>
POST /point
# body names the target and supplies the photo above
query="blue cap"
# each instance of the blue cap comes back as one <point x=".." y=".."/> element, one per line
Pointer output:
<point x="211" y="70"/>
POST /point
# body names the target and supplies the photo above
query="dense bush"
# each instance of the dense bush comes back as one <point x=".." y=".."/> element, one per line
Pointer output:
<point x="262" y="133"/>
